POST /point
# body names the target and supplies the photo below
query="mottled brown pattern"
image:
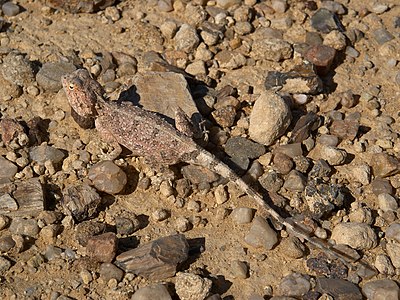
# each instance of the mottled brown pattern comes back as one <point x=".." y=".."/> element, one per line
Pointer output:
<point x="148" y="135"/>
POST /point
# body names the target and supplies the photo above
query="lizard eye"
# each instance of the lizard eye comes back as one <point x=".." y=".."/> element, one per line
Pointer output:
<point x="71" y="86"/>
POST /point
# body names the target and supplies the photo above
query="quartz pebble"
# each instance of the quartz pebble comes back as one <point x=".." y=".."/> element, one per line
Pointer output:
<point x="108" y="177"/>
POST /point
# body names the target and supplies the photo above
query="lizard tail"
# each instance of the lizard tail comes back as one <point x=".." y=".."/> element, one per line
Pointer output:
<point x="209" y="161"/>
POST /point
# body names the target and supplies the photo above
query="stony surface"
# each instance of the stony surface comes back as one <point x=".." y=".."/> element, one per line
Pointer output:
<point x="338" y="160"/>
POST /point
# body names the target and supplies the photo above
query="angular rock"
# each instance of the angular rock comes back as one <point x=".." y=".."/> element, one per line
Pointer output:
<point x="102" y="247"/>
<point x="10" y="130"/>
<point x="393" y="250"/>
<point x="241" y="147"/>
<point x="271" y="49"/>
<point x="186" y="39"/>
<point x="302" y="79"/>
<point x="384" y="165"/>
<point x="344" y="129"/>
<point x="261" y="234"/>
<point x="80" y="201"/>
<point x="269" y="118"/>
<point x="17" y="69"/>
<point x="157" y="259"/>
<point x="325" y="21"/>
<point x="109" y="271"/>
<point x="43" y="153"/>
<point x="295" y="284"/>
<point x="85" y="230"/>
<point x="322" y="57"/>
<point x="7" y="169"/>
<point x="49" y="76"/>
<point x="23" y="226"/>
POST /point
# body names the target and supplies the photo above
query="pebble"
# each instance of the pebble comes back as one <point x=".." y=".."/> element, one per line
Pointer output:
<point x="4" y="221"/>
<point x="182" y="224"/>
<point x="10" y="9"/>
<point x="261" y="234"/>
<point x="292" y="247"/>
<point x="49" y="76"/>
<point x="338" y="288"/>
<point x="151" y="292"/>
<point x="160" y="214"/>
<point x="168" y="29"/>
<point x="381" y="185"/>
<point x="23" y="226"/>
<point x="193" y="206"/>
<point x="242" y="147"/>
<point x="186" y="38"/>
<point x="321" y="56"/>
<point x="103" y="247"/>
<point x="86" y="276"/>
<point x="196" y="68"/>
<point x="333" y="155"/>
<point x="44" y="153"/>
<point x="295" y="284"/>
<point x="7" y="169"/>
<point x="128" y="225"/>
<point x="107" y="177"/>
<point x="271" y="49"/>
<point x="221" y="194"/>
<point x="384" y="165"/>
<point x="226" y="4"/>
<point x="381" y="289"/>
<point x="109" y="271"/>
<point x="344" y="129"/>
<point x="393" y="232"/>
<point x="9" y="90"/>
<point x="271" y="181"/>
<point x="283" y="164"/>
<point x="87" y="229"/>
<point x="239" y="269"/>
<point x="242" y="215"/>
<point x="6" y="243"/>
<point x="52" y="252"/>
<point x="384" y="265"/>
<point x="382" y="36"/>
<point x="5" y="265"/>
<point x="359" y="173"/>
<point x="269" y="118"/>
<point x="324" y="21"/>
<point x="198" y="175"/>
<point x="17" y="69"/>
<point x="393" y="250"/>
<point x="361" y="215"/>
<point x="295" y="181"/>
<point x="359" y="236"/>
<point x="387" y="202"/>
<point x="190" y="286"/>
<point x="225" y="116"/>
<point x="320" y="169"/>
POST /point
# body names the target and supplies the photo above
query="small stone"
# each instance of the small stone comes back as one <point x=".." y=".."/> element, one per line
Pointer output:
<point x="6" y="243"/>
<point x="393" y="232"/>
<point x="384" y="265"/>
<point x="271" y="181"/>
<point x="7" y="169"/>
<point x="292" y="247"/>
<point x="393" y="250"/>
<point x="336" y="40"/>
<point x="4" y="221"/>
<point x="282" y="163"/>
<point x="387" y="202"/>
<point x="344" y="129"/>
<point x="338" y="288"/>
<point x="321" y="56"/>
<point x="381" y="289"/>
<point x="150" y="292"/>
<point x="5" y="265"/>
<point x="17" y="69"/>
<point x="359" y="173"/>
<point x="242" y="215"/>
<point x="380" y="186"/>
<point x="182" y="224"/>
<point x="295" y="181"/>
<point x="168" y="29"/>
<point x="108" y="177"/>
<point x="271" y="49"/>
<point x="221" y="194"/>
<point x="193" y="206"/>
<point x="49" y="76"/>
<point x="85" y="230"/>
<point x="189" y="286"/>
<point x="241" y="147"/>
<point x="261" y="234"/>
<point x="23" y="226"/>
<point x="269" y="118"/>
<point x="160" y="214"/>
<point x="109" y="271"/>
<point x="86" y="276"/>
<point x="384" y="165"/>
<point x="382" y="36"/>
<point x="239" y="269"/>
<point x="10" y="9"/>
<point x="81" y="202"/>
<point x="103" y="247"/>
<point x="359" y="236"/>
<point x="44" y="153"/>
<point x="127" y="226"/>
<point x="198" y="175"/>
<point x="225" y="116"/>
<point x="333" y="155"/>
<point x="196" y="68"/>
<point x="324" y="21"/>
<point x="295" y="284"/>
<point x="186" y="39"/>
<point x="166" y="189"/>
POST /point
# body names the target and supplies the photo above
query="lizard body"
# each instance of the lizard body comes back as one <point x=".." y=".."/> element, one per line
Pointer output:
<point x="147" y="134"/>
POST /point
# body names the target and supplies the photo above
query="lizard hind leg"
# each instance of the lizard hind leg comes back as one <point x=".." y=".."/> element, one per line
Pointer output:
<point x="185" y="125"/>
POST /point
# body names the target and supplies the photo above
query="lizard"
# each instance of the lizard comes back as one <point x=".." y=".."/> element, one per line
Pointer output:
<point x="148" y="135"/>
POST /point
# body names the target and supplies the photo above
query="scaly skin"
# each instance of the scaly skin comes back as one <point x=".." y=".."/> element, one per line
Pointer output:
<point x="148" y="135"/>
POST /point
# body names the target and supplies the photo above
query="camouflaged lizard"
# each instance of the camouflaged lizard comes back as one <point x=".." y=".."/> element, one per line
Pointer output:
<point x="148" y="135"/>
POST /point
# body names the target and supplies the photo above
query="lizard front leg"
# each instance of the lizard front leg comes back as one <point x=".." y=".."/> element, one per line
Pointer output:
<point x="107" y="137"/>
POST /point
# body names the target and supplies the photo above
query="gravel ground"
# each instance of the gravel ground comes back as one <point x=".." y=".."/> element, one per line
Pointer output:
<point x="300" y="97"/>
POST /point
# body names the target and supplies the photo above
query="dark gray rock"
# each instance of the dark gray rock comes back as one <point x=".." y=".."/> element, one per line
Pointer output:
<point x="49" y="76"/>
<point x="339" y="288"/>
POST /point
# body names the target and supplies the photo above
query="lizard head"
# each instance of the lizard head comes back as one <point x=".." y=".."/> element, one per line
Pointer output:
<point x="82" y="92"/>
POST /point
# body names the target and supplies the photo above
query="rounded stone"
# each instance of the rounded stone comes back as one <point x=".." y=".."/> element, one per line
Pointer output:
<point x="107" y="177"/>
<point x="359" y="236"/>
<point x="269" y="118"/>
